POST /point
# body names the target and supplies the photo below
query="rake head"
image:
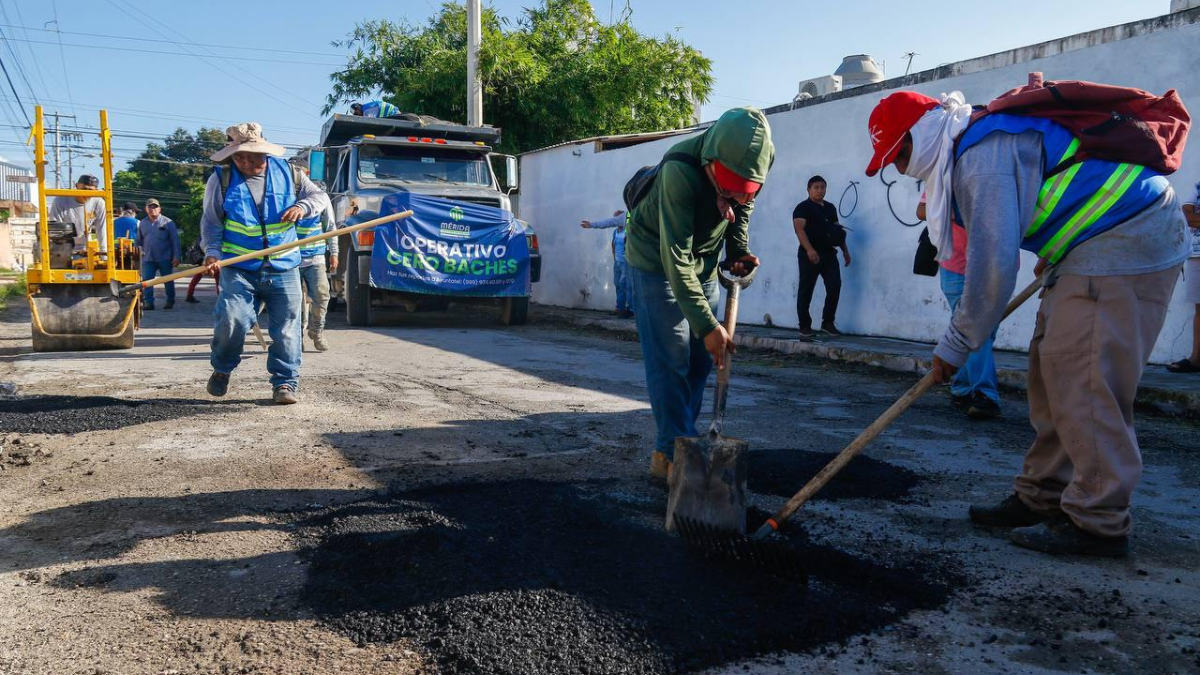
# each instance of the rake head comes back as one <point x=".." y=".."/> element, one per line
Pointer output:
<point x="766" y="555"/>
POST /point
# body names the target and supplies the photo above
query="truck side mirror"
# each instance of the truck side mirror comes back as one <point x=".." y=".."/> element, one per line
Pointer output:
<point x="316" y="165"/>
<point x="510" y="173"/>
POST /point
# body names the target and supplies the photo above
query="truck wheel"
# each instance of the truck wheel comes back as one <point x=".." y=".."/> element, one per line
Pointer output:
<point x="515" y="311"/>
<point x="358" y="295"/>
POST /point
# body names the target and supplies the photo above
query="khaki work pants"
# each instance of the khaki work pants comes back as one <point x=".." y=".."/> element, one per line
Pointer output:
<point x="1089" y="348"/>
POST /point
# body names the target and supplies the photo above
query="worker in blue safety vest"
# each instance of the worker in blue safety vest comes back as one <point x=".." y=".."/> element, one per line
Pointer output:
<point x="252" y="201"/>
<point x="374" y="109"/>
<point x="1111" y="241"/>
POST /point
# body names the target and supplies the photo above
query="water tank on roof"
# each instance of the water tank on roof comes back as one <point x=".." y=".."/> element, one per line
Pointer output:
<point x="858" y="70"/>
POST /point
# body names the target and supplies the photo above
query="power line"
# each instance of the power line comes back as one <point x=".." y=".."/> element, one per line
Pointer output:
<point x="62" y="57"/>
<point x="37" y="68"/>
<point x="167" y="53"/>
<point x="17" y="60"/>
<point x="136" y="112"/>
<point x="251" y="86"/>
<point x="172" y="42"/>
<point x="14" y="91"/>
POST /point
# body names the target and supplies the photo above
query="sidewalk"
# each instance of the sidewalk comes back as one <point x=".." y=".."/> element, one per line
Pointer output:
<point x="1167" y="392"/>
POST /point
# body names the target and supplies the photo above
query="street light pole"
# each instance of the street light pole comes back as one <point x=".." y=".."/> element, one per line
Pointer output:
<point x="474" y="83"/>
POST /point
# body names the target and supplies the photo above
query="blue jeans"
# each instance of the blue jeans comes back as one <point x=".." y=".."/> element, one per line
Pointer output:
<point x="978" y="374"/>
<point x="154" y="268"/>
<point x="241" y="294"/>
<point x="677" y="365"/>
<point x="621" y="280"/>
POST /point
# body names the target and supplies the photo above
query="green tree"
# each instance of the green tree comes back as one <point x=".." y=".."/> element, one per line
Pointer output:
<point x="553" y="75"/>
<point x="173" y="172"/>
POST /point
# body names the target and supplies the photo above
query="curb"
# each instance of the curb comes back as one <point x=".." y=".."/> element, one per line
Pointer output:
<point x="1166" y="401"/>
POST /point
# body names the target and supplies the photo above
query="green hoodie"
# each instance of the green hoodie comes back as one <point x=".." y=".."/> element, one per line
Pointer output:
<point x="677" y="230"/>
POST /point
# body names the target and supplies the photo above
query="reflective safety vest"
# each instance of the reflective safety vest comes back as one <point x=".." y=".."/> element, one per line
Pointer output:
<point x="310" y="228"/>
<point x="379" y="109"/>
<point x="250" y="228"/>
<point x="1079" y="202"/>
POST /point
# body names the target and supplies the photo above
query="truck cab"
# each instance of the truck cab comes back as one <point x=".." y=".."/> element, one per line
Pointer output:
<point x="363" y="160"/>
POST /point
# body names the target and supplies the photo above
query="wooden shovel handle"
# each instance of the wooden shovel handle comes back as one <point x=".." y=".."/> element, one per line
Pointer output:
<point x="191" y="271"/>
<point x="731" y="313"/>
<point x="870" y="433"/>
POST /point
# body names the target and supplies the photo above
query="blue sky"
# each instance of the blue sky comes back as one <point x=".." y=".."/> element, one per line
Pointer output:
<point x="140" y="64"/>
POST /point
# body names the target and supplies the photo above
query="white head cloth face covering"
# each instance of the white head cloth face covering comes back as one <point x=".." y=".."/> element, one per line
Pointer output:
<point x="933" y="162"/>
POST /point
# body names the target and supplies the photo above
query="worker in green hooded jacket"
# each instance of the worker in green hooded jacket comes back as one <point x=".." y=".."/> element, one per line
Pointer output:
<point x="698" y="205"/>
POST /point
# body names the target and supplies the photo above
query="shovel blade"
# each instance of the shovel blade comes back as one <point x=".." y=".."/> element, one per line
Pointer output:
<point x="708" y="482"/>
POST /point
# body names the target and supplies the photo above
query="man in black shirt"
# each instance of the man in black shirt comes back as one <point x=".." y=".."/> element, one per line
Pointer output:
<point x="817" y="229"/>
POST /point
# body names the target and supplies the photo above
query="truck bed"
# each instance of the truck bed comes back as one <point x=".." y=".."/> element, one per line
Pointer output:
<point x="339" y="129"/>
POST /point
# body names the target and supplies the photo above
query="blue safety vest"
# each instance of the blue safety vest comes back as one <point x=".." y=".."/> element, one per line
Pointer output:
<point x="379" y="109"/>
<point x="310" y="228"/>
<point x="1079" y="202"/>
<point x="249" y="228"/>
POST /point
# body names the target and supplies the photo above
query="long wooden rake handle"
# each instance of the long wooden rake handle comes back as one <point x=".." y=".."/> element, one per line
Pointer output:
<point x="191" y="271"/>
<point x="869" y="434"/>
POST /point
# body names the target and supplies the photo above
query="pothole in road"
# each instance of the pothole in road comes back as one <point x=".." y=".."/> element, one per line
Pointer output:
<point x="77" y="414"/>
<point x="534" y="577"/>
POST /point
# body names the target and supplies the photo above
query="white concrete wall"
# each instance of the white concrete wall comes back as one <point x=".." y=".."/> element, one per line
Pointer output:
<point x="880" y="294"/>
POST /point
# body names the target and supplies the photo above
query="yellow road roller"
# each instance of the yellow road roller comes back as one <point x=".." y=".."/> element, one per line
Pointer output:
<point x="71" y="299"/>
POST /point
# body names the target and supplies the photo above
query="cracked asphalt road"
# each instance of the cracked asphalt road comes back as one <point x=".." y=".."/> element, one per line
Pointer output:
<point x="183" y="540"/>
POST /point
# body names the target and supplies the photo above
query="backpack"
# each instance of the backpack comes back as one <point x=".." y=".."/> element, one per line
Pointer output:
<point x="639" y="185"/>
<point x="1118" y="124"/>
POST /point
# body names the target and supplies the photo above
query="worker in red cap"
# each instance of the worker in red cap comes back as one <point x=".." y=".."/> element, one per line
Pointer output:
<point x="1111" y="241"/>
<point x="698" y="204"/>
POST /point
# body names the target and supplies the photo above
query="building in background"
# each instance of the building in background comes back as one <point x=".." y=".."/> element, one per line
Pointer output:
<point x="856" y="70"/>
<point x="18" y="215"/>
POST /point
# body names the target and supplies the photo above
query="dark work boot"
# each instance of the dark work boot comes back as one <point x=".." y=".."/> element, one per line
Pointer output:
<point x="982" y="408"/>
<point x="218" y="384"/>
<point x="1061" y="536"/>
<point x="1011" y="512"/>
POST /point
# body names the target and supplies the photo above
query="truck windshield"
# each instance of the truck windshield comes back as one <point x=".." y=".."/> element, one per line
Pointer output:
<point x="423" y="164"/>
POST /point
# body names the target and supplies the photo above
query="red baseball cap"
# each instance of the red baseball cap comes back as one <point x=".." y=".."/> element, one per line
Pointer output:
<point x="730" y="181"/>
<point x="890" y="120"/>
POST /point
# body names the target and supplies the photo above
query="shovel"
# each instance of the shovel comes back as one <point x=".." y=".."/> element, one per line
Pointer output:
<point x="708" y="475"/>
<point x="130" y="289"/>
<point x="772" y="556"/>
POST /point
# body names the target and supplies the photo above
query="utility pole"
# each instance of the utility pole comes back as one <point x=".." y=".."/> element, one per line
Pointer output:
<point x="72" y="137"/>
<point x="57" y="160"/>
<point x="474" y="82"/>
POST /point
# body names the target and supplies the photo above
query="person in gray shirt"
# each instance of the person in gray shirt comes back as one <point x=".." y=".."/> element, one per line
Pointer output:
<point x="254" y="200"/>
<point x="1111" y="242"/>
<point x="158" y="240"/>
<point x="86" y="214"/>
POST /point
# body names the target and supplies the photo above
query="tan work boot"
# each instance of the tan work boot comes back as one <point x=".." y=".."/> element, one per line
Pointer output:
<point x="284" y="394"/>
<point x="318" y="340"/>
<point x="660" y="466"/>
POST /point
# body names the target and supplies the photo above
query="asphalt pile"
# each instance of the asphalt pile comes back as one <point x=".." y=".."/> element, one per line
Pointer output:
<point x="78" y="414"/>
<point x="535" y="577"/>
<point x="781" y="472"/>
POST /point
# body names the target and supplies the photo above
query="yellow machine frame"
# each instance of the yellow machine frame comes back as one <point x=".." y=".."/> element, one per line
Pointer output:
<point x="40" y="272"/>
<point x="92" y="270"/>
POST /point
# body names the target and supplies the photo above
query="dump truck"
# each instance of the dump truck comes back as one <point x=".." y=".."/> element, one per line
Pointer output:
<point x="72" y="302"/>
<point x="368" y="163"/>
